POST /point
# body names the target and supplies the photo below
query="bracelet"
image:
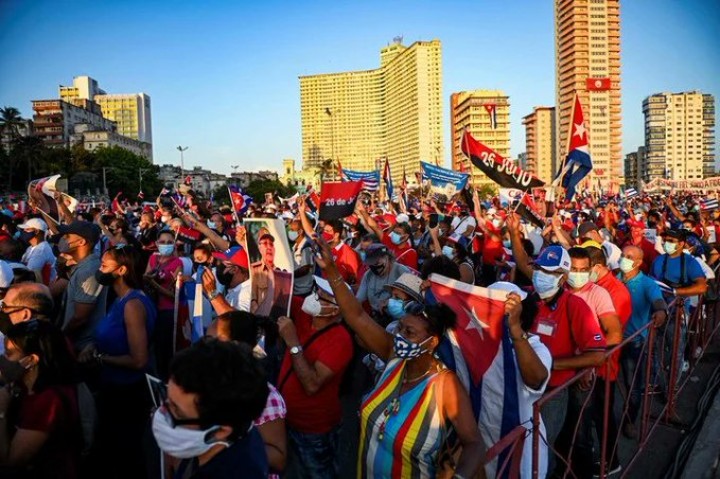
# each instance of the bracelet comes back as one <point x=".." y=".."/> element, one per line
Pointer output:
<point x="213" y="295"/>
<point x="337" y="280"/>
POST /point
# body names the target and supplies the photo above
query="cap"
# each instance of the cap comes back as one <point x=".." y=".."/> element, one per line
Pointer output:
<point x="510" y="288"/>
<point x="554" y="258"/>
<point x="34" y="224"/>
<point x="402" y="218"/>
<point x="236" y="256"/>
<point x="6" y="274"/>
<point x="324" y="285"/>
<point x="591" y="244"/>
<point x="374" y="252"/>
<point x="90" y="232"/>
<point x="409" y="284"/>
<point x="587" y="227"/>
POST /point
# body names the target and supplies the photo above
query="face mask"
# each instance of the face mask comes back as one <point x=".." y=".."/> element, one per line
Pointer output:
<point x="593" y="276"/>
<point x="405" y="349"/>
<point x="225" y="277"/>
<point x="10" y="371"/>
<point x="496" y="223"/>
<point x="395" y="238"/>
<point x="578" y="279"/>
<point x="448" y="252"/>
<point x="211" y="225"/>
<point x="166" y="249"/>
<point x="670" y="248"/>
<point x="312" y="306"/>
<point x="396" y="308"/>
<point x="652" y="225"/>
<point x="292" y="235"/>
<point x="328" y="237"/>
<point x="626" y="265"/>
<point x="165" y="219"/>
<point x="197" y="265"/>
<point x="26" y="236"/>
<point x="507" y="243"/>
<point x="105" y="279"/>
<point x="546" y="285"/>
<point x="181" y="442"/>
<point x="64" y="246"/>
<point x="363" y="255"/>
<point x="441" y="232"/>
<point x="378" y="269"/>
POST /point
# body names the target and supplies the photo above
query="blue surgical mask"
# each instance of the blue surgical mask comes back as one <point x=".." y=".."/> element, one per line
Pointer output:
<point x="363" y="255"/>
<point x="396" y="308"/>
<point x="405" y="349"/>
<point x="396" y="238"/>
<point x="448" y="252"/>
<point x="166" y="249"/>
<point x="211" y="225"/>
<point x="546" y="285"/>
<point x="507" y="243"/>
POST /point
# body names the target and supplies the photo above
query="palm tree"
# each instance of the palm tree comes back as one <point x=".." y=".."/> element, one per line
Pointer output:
<point x="10" y="123"/>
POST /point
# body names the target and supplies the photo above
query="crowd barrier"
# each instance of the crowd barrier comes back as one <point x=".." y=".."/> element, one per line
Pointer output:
<point x="661" y="368"/>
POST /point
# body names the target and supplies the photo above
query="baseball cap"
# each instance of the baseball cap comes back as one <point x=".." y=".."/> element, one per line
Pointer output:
<point x="510" y="288"/>
<point x="324" y="285"/>
<point x="86" y="230"/>
<point x="34" y="224"/>
<point x="554" y="258"/>
<point x="402" y="218"/>
<point x="236" y="256"/>
<point x="410" y="284"/>
<point x="586" y="227"/>
<point x="591" y="244"/>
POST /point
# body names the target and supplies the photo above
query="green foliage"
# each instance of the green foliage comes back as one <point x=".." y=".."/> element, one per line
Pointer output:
<point x="221" y="196"/>
<point x="258" y="188"/>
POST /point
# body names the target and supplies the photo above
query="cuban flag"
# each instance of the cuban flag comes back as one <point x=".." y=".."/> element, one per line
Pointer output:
<point x="709" y="204"/>
<point x="370" y="179"/>
<point x="578" y="162"/>
<point x="491" y="108"/>
<point x="240" y="200"/>
<point x="194" y="329"/>
<point x="481" y="353"/>
<point x="631" y="193"/>
<point x="387" y="177"/>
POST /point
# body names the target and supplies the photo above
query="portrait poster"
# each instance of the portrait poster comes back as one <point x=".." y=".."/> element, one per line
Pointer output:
<point x="271" y="266"/>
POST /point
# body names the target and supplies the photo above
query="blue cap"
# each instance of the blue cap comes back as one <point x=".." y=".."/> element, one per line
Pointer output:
<point x="554" y="258"/>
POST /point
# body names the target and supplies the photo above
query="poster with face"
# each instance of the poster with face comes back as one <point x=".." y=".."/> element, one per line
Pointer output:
<point x="271" y="266"/>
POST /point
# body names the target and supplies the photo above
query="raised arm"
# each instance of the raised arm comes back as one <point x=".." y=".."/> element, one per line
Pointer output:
<point x="368" y="220"/>
<point x="521" y="257"/>
<point x="302" y="212"/>
<point x="216" y="240"/>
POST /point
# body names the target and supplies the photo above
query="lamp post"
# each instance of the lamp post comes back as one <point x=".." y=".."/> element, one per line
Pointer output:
<point x="104" y="168"/>
<point x="182" y="149"/>
<point x="141" y="170"/>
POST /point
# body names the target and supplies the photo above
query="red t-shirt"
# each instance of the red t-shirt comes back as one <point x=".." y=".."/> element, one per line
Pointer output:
<point x="493" y="251"/>
<point x="319" y="413"/>
<point x="347" y="261"/>
<point x="567" y="328"/>
<point x="57" y="415"/>
<point x="404" y="253"/>
<point x="622" y="301"/>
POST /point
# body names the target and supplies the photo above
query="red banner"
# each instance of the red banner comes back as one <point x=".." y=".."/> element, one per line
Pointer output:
<point x="337" y="199"/>
<point x="598" y="84"/>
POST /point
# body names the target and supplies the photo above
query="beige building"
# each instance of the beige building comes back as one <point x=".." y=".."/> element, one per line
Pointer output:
<point x="587" y="62"/>
<point x="540" y="140"/>
<point x="679" y="136"/>
<point x="92" y="139"/>
<point x="130" y="111"/>
<point x="473" y="110"/>
<point x="394" y="111"/>
<point x="55" y="121"/>
<point x="299" y="179"/>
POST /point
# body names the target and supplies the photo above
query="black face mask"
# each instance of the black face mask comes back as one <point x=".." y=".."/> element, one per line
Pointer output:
<point x="225" y="277"/>
<point x="26" y="236"/>
<point x="105" y="279"/>
<point x="5" y="322"/>
<point x="652" y="225"/>
<point x="378" y="269"/>
<point x="10" y="371"/>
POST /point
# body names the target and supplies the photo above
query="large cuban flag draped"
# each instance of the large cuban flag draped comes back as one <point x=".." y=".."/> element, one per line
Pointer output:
<point x="442" y="180"/>
<point x="481" y="354"/>
<point x="370" y="179"/>
<point x="578" y="162"/>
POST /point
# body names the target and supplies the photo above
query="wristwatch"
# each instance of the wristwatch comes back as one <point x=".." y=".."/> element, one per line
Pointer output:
<point x="213" y="295"/>
<point x="523" y="336"/>
<point x="296" y="350"/>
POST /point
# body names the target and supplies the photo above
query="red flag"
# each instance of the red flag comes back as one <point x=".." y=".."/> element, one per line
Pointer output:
<point x="337" y="199"/>
<point x="189" y="234"/>
<point x="598" y="84"/>
<point x="479" y="324"/>
<point x="115" y="205"/>
<point x="340" y="170"/>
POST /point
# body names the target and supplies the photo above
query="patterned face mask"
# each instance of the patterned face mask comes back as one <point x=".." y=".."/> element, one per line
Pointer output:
<point x="405" y="349"/>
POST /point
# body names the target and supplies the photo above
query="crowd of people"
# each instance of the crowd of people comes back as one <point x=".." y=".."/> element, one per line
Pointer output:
<point x="89" y="315"/>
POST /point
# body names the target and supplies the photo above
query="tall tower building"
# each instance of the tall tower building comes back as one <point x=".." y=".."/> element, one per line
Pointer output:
<point x="486" y="115"/>
<point x="587" y="62"/>
<point x="361" y="117"/>
<point x="541" y="141"/>
<point x="679" y="136"/>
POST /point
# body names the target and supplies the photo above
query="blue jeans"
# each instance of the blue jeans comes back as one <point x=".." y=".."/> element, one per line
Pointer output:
<point x="665" y="335"/>
<point x="316" y="453"/>
<point x="553" y="414"/>
<point x="634" y="359"/>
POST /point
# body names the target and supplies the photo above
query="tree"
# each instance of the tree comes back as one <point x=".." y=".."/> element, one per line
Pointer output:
<point x="124" y="174"/>
<point x="257" y="189"/>
<point x="10" y="123"/>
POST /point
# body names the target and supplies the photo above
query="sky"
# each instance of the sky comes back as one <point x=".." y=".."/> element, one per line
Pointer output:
<point x="223" y="76"/>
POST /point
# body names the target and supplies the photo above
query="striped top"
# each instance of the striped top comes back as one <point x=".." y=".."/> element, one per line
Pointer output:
<point x="401" y="434"/>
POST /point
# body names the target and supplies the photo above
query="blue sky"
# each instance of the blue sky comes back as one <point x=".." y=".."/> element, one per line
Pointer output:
<point x="223" y="75"/>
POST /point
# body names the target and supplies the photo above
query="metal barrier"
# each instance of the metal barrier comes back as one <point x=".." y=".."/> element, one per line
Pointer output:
<point x="657" y="367"/>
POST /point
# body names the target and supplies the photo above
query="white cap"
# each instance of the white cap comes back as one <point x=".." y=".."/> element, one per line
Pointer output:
<point x="6" y="274"/>
<point x="34" y="224"/>
<point x="325" y="285"/>
<point x="509" y="287"/>
<point x="402" y="218"/>
<point x="491" y="211"/>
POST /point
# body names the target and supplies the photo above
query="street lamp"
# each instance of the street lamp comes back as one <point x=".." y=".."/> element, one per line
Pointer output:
<point x="141" y="170"/>
<point x="182" y="159"/>
<point x="105" y="190"/>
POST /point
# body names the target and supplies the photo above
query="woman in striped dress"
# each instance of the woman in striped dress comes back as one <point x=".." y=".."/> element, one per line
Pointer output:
<point x="406" y="419"/>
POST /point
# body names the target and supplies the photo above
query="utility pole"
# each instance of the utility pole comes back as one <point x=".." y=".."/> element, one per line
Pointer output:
<point x="141" y="172"/>
<point x="182" y="159"/>
<point x="105" y="190"/>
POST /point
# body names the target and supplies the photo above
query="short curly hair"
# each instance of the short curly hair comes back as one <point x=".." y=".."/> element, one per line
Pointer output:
<point x="228" y="381"/>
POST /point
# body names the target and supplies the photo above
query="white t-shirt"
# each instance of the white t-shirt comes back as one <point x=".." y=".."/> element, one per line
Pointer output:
<point x="36" y="257"/>
<point x="459" y="225"/>
<point x="240" y="296"/>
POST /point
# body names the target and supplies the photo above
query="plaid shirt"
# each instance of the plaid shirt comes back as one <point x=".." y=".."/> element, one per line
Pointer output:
<point x="274" y="407"/>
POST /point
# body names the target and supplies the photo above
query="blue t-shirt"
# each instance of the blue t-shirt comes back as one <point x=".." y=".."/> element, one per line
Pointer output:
<point x="111" y="337"/>
<point x="673" y="271"/>
<point x="643" y="292"/>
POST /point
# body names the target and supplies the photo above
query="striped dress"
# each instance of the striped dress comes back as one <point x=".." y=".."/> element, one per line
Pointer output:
<point x="400" y="439"/>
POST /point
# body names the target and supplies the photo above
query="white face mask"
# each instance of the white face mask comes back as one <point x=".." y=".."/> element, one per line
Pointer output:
<point x="626" y="265"/>
<point x="181" y="442"/>
<point x="448" y="252"/>
<point x="292" y="235"/>
<point x="546" y="285"/>
<point x="311" y="306"/>
<point x="578" y="279"/>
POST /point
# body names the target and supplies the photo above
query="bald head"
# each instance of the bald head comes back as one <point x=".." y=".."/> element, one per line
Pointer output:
<point x="633" y="252"/>
<point x="34" y="297"/>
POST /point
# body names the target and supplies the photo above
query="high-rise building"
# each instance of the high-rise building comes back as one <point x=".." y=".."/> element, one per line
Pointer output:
<point x="361" y="117"/>
<point x="130" y="111"/>
<point x="587" y="62"/>
<point x="486" y="115"/>
<point x="632" y="169"/>
<point x="541" y="141"/>
<point x="55" y="121"/>
<point x="679" y="136"/>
